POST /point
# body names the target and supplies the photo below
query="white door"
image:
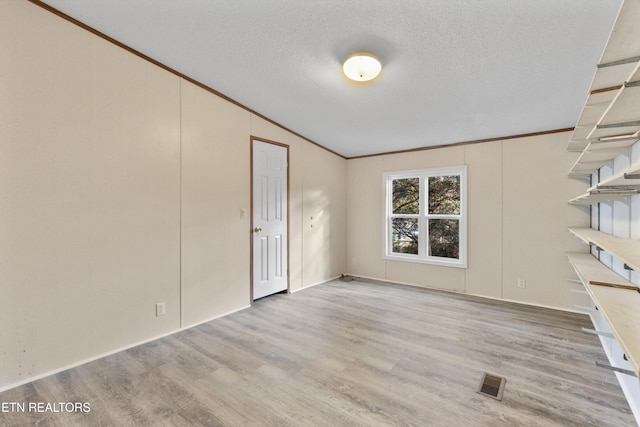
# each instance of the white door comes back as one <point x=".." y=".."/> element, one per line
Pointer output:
<point x="270" y="172"/>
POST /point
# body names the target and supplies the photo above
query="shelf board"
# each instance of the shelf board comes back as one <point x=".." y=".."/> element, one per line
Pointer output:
<point x="626" y="183"/>
<point x="591" y="114"/>
<point x="625" y="29"/>
<point x="626" y="179"/>
<point x="584" y="169"/>
<point x="598" y="133"/>
<point x="611" y="76"/>
<point x="598" y="153"/>
<point x="626" y="250"/>
<point x="597" y="196"/>
<point x="625" y="107"/>
<point x="595" y="106"/>
<point x="578" y="141"/>
<point x="619" y="307"/>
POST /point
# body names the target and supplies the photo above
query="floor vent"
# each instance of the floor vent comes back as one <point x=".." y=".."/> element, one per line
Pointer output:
<point x="492" y="386"/>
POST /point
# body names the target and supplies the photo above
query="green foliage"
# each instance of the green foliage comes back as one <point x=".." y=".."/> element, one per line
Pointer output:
<point x="406" y="196"/>
<point x="444" y="238"/>
<point x="444" y="199"/>
<point x="406" y="200"/>
<point x="444" y="195"/>
<point x="405" y="235"/>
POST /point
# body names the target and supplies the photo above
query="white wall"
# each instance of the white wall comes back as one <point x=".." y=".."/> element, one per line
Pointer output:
<point x="89" y="195"/>
<point x="215" y="188"/>
<point x="518" y="216"/>
<point x="122" y="185"/>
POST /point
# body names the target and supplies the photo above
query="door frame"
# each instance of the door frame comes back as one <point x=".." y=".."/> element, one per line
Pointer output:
<point x="253" y="138"/>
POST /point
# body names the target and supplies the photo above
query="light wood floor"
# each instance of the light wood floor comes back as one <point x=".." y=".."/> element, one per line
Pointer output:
<point x="348" y="354"/>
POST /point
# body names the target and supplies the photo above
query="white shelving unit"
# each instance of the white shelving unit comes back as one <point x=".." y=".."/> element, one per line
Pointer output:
<point x="618" y="306"/>
<point x="607" y="128"/>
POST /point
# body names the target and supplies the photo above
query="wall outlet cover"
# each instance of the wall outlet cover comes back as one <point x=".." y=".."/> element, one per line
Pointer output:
<point x="160" y="309"/>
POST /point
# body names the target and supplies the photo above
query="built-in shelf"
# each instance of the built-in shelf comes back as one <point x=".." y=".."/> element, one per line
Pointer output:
<point x="626" y="250"/>
<point x="594" y="108"/>
<point x="613" y="106"/>
<point x="625" y="107"/>
<point x="610" y="76"/>
<point x="611" y="122"/>
<point x="619" y="307"/>
<point x="598" y="152"/>
<point x="629" y="178"/>
<point x="615" y="132"/>
<point x="597" y="196"/>
<point x="617" y="187"/>
<point x="605" y="112"/>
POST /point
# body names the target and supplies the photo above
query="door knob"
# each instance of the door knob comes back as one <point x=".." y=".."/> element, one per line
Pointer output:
<point x="257" y="230"/>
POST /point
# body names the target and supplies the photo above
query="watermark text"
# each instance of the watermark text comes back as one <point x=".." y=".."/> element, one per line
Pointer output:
<point x="42" y="407"/>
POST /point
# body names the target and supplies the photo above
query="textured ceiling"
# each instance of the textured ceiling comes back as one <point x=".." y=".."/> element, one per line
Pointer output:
<point x="453" y="71"/>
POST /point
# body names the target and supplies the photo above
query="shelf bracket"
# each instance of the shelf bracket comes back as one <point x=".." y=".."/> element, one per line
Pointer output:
<point x="615" y="138"/>
<point x="619" y="125"/>
<point x="594" y="332"/>
<point x="627" y="267"/>
<point x="580" y="176"/>
<point x="619" y="62"/>
<point x="622" y="198"/>
<point x="613" y="189"/>
<point x="616" y="369"/>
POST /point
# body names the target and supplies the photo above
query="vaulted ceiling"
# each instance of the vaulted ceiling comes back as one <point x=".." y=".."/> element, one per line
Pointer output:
<point x="453" y="70"/>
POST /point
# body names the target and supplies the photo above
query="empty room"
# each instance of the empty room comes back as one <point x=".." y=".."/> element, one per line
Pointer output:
<point x="319" y="213"/>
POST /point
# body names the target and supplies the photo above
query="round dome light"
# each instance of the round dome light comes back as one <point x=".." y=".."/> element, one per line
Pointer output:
<point x="362" y="67"/>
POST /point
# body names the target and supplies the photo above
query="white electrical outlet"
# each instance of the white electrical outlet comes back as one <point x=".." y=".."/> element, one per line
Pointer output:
<point x="522" y="283"/>
<point x="160" y="309"/>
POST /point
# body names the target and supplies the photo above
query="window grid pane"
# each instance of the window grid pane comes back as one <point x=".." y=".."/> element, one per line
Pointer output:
<point x="444" y="238"/>
<point x="406" y="196"/>
<point x="405" y="235"/>
<point x="444" y="195"/>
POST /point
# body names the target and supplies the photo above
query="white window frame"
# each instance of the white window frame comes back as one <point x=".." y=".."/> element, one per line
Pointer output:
<point x="423" y="216"/>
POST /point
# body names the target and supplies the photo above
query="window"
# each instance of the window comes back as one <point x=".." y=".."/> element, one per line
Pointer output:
<point x="425" y="216"/>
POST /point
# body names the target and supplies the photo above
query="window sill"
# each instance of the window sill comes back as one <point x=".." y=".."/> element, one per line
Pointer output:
<point x="442" y="262"/>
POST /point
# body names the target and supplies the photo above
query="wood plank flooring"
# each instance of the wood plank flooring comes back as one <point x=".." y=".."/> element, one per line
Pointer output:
<point x="347" y="354"/>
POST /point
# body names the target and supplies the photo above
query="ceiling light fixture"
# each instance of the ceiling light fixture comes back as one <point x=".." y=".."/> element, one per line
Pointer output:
<point x="361" y="67"/>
